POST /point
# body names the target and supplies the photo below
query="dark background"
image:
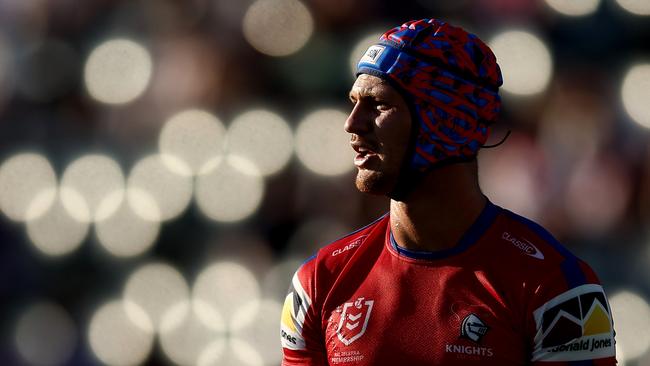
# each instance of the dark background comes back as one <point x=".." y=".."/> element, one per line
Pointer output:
<point x="577" y="162"/>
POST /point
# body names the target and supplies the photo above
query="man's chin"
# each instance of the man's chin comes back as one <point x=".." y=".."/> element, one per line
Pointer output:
<point x="374" y="183"/>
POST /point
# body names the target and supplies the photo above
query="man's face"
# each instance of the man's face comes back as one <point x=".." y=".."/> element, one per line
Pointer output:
<point x="380" y="124"/>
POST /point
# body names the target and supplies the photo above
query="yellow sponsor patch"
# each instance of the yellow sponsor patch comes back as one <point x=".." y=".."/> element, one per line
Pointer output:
<point x="574" y="326"/>
<point x="598" y="322"/>
<point x="287" y="311"/>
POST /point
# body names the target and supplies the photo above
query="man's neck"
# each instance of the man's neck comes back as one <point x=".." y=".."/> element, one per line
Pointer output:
<point x="440" y="210"/>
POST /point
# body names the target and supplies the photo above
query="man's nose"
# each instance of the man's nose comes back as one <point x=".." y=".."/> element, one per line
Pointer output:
<point x="358" y="121"/>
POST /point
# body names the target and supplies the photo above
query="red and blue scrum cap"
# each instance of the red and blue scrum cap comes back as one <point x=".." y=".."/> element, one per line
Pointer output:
<point x="449" y="78"/>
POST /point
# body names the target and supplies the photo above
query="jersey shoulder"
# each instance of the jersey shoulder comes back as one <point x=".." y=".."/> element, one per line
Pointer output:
<point x="332" y="258"/>
<point x="570" y="314"/>
<point x="539" y="253"/>
<point x="310" y="284"/>
<point x="320" y="271"/>
<point x="335" y="255"/>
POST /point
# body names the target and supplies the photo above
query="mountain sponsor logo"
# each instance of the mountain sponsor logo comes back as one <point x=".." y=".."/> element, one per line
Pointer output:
<point x="575" y="325"/>
<point x="354" y="320"/>
<point x="524" y="245"/>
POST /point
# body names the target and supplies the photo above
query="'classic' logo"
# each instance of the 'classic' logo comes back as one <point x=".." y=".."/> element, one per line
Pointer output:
<point x="524" y="245"/>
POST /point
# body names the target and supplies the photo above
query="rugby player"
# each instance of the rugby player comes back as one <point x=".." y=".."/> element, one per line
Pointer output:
<point x="446" y="277"/>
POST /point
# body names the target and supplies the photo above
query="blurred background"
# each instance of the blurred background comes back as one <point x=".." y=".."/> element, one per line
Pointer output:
<point x="166" y="165"/>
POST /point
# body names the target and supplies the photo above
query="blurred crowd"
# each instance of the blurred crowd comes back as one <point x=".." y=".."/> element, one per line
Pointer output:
<point x="166" y="165"/>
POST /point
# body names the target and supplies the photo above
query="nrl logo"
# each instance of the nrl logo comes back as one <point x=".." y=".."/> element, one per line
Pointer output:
<point x="354" y="320"/>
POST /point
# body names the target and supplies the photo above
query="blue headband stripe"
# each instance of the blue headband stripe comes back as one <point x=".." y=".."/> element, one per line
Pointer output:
<point x="382" y="58"/>
<point x="378" y="58"/>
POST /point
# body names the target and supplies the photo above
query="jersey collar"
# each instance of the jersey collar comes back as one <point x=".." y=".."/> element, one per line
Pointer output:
<point x="471" y="236"/>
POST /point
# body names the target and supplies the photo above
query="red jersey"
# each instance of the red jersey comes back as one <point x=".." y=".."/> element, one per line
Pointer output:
<point x="507" y="294"/>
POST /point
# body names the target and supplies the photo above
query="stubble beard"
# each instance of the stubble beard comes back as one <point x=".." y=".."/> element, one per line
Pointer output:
<point x="374" y="182"/>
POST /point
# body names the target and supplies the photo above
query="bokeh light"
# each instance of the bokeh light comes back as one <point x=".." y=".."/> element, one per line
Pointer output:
<point x="156" y="288"/>
<point x="198" y="226"/>
<point x="45" y="335"/>
<point x="262" y="137"/>
<point x="236" y="352"/>
<point x="245" y="353"/>
<point x="56" y="232"/>
<point x="257" y="325"/>
<point x="276" y="281"/>
<point x="574" y="8"/>
<point x="322" y="144"/>
<point x="171" y="191"/>
<point x="220" y="290"/>
<point x="637" y="7"/>
<point x="525" y="62"/>
<point x="174" y="316"/>
<point x="92" y="187"/>
<point x="184" y="344"/>
<point x="117" y="71"/>
<point x="360" y="49"/>
<point x="631" y="314"/>
<point x="126" y="233"/>
<point x="213" y="353"/>
<point x="635" y="91"/>
<point x="597" y="196"/>
<point x="195" y="138"/>
<point x="244" y="316"/>
<point x="115" y="339"/>
<point x="25" y="178"/>
<point x="230" y="192"/>
<point x="278" y="27"/>
<point x="621" y="360"/>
